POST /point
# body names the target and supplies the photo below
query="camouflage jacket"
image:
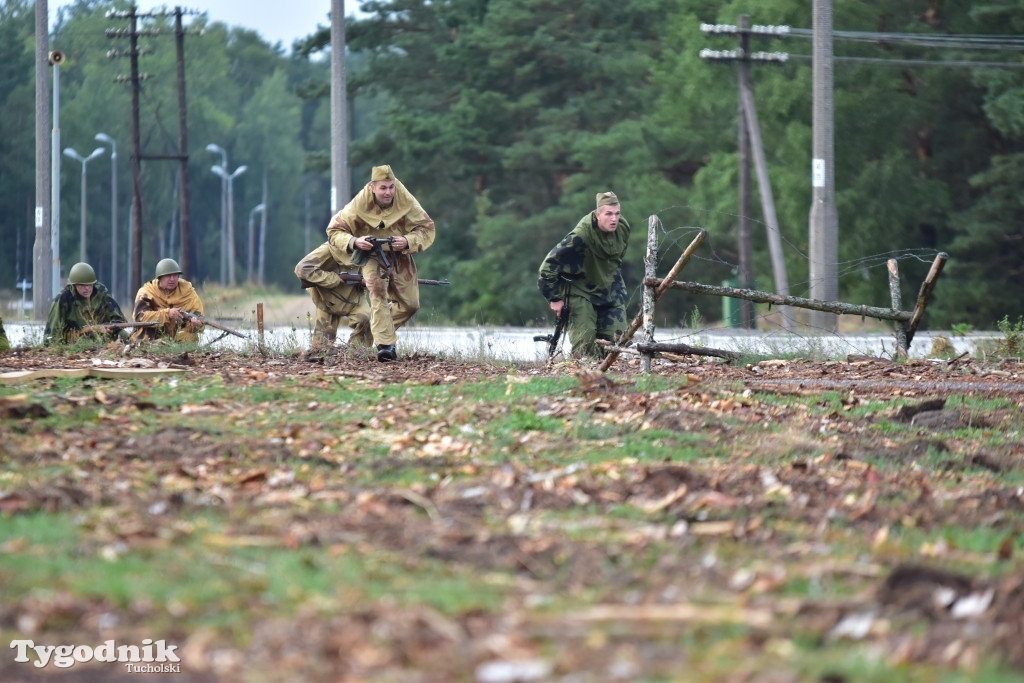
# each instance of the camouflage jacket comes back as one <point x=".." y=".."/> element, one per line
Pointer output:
<point x="569" y="258"/>
<point x="361" y="217"/>
<point x="70" y="313"/>
<point x="152" y="304"/>
<point x="320" y="268"/>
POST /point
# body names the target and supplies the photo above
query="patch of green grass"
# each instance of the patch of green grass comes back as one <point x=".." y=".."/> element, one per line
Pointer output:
<point x="204" y="583"/>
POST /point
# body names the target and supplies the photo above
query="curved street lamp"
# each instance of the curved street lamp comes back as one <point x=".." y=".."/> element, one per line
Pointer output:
<point x="70" y="152"/>
<point x="217" y="149"/>
<point x="252" y="243"/>
<point x="229" y="179"/>
<point x="103" y="137"/>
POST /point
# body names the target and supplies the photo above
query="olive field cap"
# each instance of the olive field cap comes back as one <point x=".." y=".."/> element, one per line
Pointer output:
<point x="381" y="173"/>
<point x="606" y="199"/>
<point x="167" y="266"/>
<point x="82" y="274"/>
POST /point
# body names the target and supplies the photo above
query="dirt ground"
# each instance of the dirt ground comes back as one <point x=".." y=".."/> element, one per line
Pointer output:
<point x="635" y="619"/>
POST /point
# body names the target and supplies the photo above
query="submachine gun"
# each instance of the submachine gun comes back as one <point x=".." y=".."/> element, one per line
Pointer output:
<point x="561" y="321"/>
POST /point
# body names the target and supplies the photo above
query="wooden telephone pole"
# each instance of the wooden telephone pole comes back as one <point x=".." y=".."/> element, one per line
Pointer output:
<point x="135" y="78"/>
<point x="750" y="140"/>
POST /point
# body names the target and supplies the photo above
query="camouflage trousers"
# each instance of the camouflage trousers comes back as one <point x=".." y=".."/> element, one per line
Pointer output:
<point x="394" y="296"/>
<point x="592" y="318"/>
<point x="333" y="304"/>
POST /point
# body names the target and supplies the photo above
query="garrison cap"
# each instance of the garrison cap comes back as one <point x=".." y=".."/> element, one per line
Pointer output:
<point x="606" y="198"/>
<point x="381" y="173"/>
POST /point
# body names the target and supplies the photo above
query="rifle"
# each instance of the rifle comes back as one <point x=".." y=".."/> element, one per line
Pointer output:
<point x="197" y="319"/>
<point x="378" y="249"/>
<point x="357" y="279"/>
<point x="560" y="322"/>
<point x="106" y="327"/>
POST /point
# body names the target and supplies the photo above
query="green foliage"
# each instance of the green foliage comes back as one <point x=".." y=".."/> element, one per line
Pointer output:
<point x="1012" y="343"/>
<point x="506" y="117"/>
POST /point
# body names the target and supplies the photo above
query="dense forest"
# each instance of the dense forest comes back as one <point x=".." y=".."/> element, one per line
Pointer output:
<point x="505" y="117"/>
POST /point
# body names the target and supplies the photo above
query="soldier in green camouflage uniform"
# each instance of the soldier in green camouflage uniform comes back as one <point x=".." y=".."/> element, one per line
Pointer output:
<point x="590" y="256"/>
<point x="334" y="298"/>
<point x="4" y="344"/>
<point x="83" y="302"/>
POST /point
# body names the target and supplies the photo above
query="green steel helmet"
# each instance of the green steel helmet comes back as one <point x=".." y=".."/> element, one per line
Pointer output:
<point x="82" y="274"/>
<point x="167" y="266"/>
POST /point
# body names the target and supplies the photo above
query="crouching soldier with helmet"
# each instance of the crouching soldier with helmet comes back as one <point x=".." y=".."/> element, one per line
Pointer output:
<point x="83" y="307"/>
<point x="169" y="300"/>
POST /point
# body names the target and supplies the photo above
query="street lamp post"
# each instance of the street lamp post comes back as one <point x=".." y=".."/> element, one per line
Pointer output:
<point x="103" y="137"/>
<point x="229" y="178"/>
<point x="252" y="243"/>
<point x="217" y="149"/>
<point x="70" y="152"/>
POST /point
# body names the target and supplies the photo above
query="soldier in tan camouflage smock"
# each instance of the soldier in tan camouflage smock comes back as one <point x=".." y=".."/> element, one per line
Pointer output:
<point x="168" y="299"/>
<point x="334" y="298"/>
<point x="384" y="208"/>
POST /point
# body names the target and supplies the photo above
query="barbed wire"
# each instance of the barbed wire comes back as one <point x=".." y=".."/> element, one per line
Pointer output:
<point x="678" y="237"/>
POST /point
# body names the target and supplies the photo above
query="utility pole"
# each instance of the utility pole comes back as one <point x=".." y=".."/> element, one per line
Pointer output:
<point x="746" y="247"/>
<point x="263" y="227"/>
<point x="135" y="78"/>
<point x="179" y="43"/>
<point x="341" y="185"/>
<point x="56" y="59"/>
<point x="42" y="264"/>
<point x="824" y="221"/>
<point x="752" y="136"/>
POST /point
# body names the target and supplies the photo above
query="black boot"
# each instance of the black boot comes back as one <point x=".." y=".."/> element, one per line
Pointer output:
<point x="386" y="352"/>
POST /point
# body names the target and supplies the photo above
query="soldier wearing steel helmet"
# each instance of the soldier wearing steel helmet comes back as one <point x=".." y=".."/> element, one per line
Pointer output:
<point x="166" y="299"/>
<point x="83" y="302"/>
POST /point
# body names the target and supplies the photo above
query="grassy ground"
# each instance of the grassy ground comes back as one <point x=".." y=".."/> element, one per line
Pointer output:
<point x="441" y="520"/>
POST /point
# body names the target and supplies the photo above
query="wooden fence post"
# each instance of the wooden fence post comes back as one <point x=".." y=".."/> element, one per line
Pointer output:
<point x="650" y="270"/>
<point x="664" y="285"/>
<point x="896" y="296"/>
<point x="927" y="287"/>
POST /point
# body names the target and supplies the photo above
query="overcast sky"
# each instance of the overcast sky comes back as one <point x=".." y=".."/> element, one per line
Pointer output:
<point x="281" y="21"/>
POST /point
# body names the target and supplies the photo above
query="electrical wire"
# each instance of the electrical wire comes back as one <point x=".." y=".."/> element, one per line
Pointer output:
<point x="919" y="62"/>
<point x="962" y="41"/>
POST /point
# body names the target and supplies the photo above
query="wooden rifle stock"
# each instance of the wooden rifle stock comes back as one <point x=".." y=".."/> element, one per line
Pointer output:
<point x="205" y="321"/>
<point x="357" y="279"/>
<point x="117" y="326"/>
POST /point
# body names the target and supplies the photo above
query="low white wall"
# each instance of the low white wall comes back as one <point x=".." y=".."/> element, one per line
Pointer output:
<point x="516" y="343"/>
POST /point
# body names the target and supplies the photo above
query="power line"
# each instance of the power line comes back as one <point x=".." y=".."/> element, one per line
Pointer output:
<point x="965" y="41"/>
<point x="920" y="62"/>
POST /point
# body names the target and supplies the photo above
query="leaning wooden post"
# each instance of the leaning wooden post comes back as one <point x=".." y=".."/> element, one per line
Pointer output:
<point x="259" y="325"/>
<point x="897" y="305"/>
<point x="650" y="270"/>
<point x="665" y="284"/>
<point x="927" y="287"/>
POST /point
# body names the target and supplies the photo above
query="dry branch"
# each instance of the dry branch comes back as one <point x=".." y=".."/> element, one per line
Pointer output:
<point x="779" y="300"/>
<point x="657" y="347"/>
